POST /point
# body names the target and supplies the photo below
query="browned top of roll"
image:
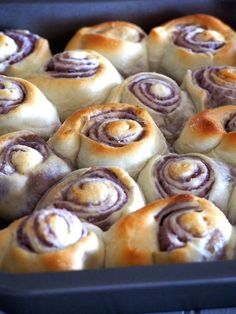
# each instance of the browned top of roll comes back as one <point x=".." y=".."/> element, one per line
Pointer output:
<point x="225" y="49"/>
<point x="181" y="228"/>
<point x="211" y="125"/>
<point x="98" y="36"/>
<point x="204" y="20"/>
<point x="75" y="123"/>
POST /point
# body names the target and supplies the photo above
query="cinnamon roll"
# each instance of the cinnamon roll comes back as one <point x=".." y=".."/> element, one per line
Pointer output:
<point x="50" y="240"/>
<point x="212" y="86"/>
<point x="75" y="79"/>
<point x="22" y="52"/>
<point x="179" y="229"/>
<point x="108" y="135"/>
<point x="97" y="195"/>
<point x="123" y="43"/>
<point x="196" y="174"/>
<point x="24" y="107"/>
<point x="168" y="105"/>
<point x="28" y="167"/>
<point x="190" y="42"/>
<point x="212" y="132"/>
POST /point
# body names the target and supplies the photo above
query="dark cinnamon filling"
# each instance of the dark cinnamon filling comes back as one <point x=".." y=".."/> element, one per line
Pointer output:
<point x="187" y="36"/>
<point x="168" y="186"/>
<point x="99" y="212"/>
<point x="220" y="92"/>
<point x="141" y="88"/>
<point x="8" y="104"/>
<point x="230" y="125"/>
<point x="25" y="42"/>
<point x="97" y="125"/>
<point x="63" y="65"/>
<point x="172" y="236"/>
<point x="33" y="141"/>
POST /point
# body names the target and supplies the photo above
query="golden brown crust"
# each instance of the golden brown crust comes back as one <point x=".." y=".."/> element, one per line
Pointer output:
<point x="71" y="142"/>
<point x="228" y="142"/>
<point x="22" y="261"/>
<point x="88" y="252"/>
<point x="175" y="60"/>
<point x="90" y="38"/>
<point x="206" y="123"/>
<point x="206" y="132"/>
<point x="118" y="41"/>
<point x="126" y="244"/>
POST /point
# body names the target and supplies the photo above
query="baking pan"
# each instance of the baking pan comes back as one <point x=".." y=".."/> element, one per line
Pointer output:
<point x="122" y="290"/>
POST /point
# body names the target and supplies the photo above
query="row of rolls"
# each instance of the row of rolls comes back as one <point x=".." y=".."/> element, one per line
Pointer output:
<point x="121" y="150"/>
<point x="194" y="70"/>
<point x="106" y="191"/>
<point x="188" y="42"/>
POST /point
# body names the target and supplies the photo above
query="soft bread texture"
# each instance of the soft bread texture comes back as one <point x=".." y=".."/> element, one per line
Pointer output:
<point x="168" y="105"/>
<point x="171" y="59"/>
<point x="201" y="232"/>
<point x="72" y="245"/>
<point x="123" y="43"/>
<point x="97" y="195"/>
<point x="31" y="63"/>
<point x="173" y="174"/>
<point x="211" y="87"/>
<point x="24" y="107"/>
<point x="112" y="134"/>
<point x="70" y="86"/>
<point x="207" y="133"/>
<point x="28" y="168"/>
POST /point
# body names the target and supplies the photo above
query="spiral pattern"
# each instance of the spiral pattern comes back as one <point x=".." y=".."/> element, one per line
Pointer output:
<point x="49" y="230"/>
<point x="198" y="39"/>
<point x="176" y="174"/>
<point x="156" y="92"/>
<point x="220" y="82"/>
<point x="171" y="234"/>
<point x="73" y="64"/>
<point x="115" y="128"/>
<point x="93" y="196"/>
<point x="22" y="44"/>
<point x="176" y="228"/>
<point x="31" y="146"/>
<point x="12" y="94"/>
<point x="230" y="125"/>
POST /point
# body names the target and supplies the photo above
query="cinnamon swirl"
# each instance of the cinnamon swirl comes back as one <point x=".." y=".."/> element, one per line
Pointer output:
<point x="123" y="43"/>
<point x="75" y="79"/>
<point x="179" y="229"/>
<point x="190" y="42"/>
<point x="50" y="240"/>
<point x="28" y="167"/>
<point x="22" y="53"/>
<point x="168" y="105"/>
<point x="107" y="135"/>
<point x="97" y="195"/>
